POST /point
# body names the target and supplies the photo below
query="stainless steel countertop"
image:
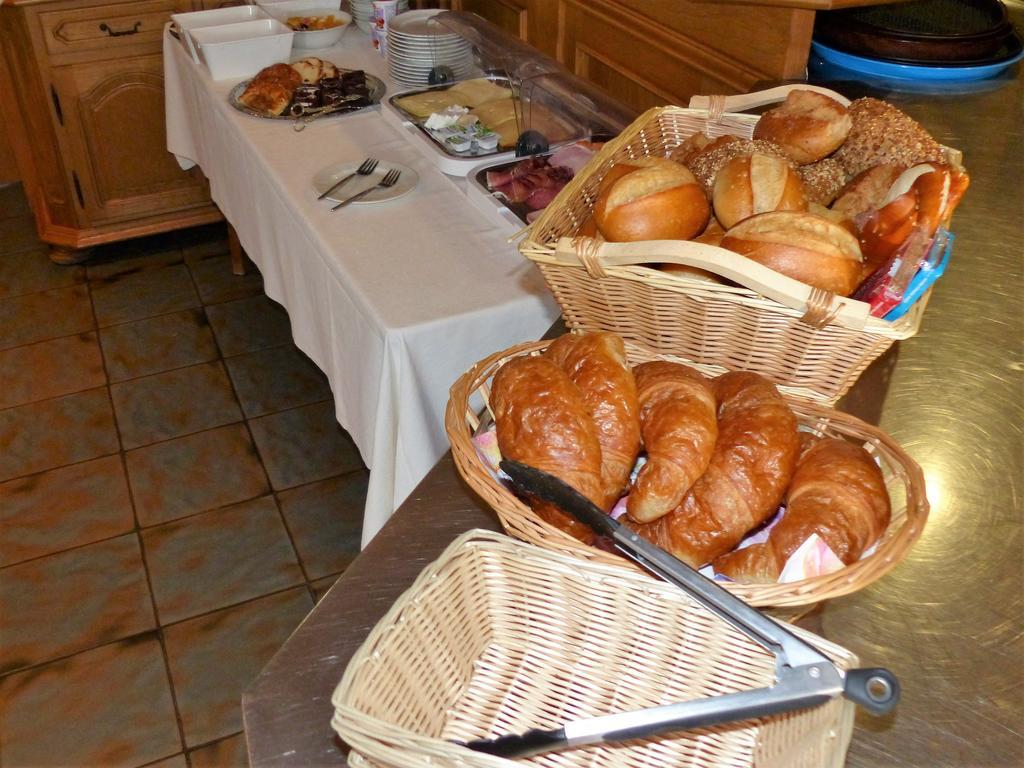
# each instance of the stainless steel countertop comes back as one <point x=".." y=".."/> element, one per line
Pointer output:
<point x="948" y="621"/>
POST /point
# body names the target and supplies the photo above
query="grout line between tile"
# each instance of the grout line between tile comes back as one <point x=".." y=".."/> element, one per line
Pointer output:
<point x="138" y="537"/>
<point x="263" y="465"/>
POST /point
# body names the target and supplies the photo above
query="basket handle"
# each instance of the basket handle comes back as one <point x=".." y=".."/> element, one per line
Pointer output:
<point x="744" y="101"/>
<point x="819" y="307"/>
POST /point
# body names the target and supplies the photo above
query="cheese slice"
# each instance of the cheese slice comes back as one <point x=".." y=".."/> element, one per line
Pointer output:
<point x="469" y="93"/>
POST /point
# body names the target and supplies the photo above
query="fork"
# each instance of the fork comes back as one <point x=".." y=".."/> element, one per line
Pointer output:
<point x="367" y="167"/>
<point x="389" y="180"/>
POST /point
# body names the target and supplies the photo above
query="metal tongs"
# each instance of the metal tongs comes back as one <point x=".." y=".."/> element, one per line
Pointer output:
<point x="805" y="677"/>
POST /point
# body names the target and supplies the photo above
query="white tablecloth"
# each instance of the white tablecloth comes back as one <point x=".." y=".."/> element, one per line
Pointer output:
<point x="393" y="301"/>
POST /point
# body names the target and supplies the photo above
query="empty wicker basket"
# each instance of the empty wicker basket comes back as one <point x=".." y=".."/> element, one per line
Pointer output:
<point x="903" y="477"/>
<point x="812" y="342"/>
<point x="497" y="636"/>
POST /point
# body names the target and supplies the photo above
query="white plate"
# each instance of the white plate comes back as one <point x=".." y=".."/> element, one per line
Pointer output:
<point x="429" y="53"/>
<point x="428" y="46"/>
<point x="426" y="66"/>
<point x="444" y="39"/>
<point x="330" y="175"/>
<point x="417" y="23"/>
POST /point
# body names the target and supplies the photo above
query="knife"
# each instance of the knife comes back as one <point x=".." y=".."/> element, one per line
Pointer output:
<point x="805" y="677"/>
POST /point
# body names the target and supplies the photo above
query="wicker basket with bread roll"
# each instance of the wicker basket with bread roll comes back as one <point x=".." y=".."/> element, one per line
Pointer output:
<point x="769" y="243"/>
<point x="791" y="501"/>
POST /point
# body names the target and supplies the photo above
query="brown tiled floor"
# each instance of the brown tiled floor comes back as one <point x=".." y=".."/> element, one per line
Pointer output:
<point x="174" y="496"/>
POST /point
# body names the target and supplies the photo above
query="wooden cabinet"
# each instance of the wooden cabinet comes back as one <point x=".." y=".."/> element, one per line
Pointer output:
<point x="511" y="15"/>
<point x="649" y="52"/>
<point x="88" y="92"/>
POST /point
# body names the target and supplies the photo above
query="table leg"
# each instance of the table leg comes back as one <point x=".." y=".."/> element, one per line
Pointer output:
<point x="237" y="254"/>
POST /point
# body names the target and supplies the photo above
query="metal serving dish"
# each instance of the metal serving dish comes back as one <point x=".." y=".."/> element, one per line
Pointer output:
<point x="475" y="154"/>
<point x="374" y="85"/>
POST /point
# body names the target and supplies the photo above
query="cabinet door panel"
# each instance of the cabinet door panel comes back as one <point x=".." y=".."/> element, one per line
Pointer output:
<point x="510" y="15"/>
<point x="116" y="141"/>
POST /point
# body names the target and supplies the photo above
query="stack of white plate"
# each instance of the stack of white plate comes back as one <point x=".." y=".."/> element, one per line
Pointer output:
<point x="362" y="12"/>
<point x="416" y="45"/>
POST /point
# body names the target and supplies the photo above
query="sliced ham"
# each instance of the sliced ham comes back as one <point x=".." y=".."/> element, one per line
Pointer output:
<point x="573" y="157"/>
<point x="500" y="178"/>
<point x="541" y="197"/>
<point x="533" y="182"/>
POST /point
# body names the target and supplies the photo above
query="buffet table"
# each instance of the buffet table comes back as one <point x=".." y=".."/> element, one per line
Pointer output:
<point x="391" y="300"/>
<point x="947" y="620"/>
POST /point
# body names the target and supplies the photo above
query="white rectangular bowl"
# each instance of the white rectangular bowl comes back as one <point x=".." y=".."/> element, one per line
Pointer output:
<point x="215" y="17"/>
<point x="239" y="50"/>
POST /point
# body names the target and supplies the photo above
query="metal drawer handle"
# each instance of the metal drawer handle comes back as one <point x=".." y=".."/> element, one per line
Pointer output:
<point x="112" y="33"/>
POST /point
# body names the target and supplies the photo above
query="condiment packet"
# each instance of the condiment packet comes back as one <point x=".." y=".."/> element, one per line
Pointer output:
<point x="886" y="288"/>
<point x="931" y="269"/>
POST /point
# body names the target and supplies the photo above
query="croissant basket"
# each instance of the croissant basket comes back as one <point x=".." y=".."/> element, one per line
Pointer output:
<point x="806" y="339"/>
<point x="903" y="478"/>
<point x="498" y="637"/>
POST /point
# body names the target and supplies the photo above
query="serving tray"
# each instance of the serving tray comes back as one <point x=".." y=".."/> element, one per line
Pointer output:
<point x="374" y="85"/>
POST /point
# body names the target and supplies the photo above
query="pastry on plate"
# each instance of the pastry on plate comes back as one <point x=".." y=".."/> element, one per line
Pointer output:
<point x="272" y="89"/>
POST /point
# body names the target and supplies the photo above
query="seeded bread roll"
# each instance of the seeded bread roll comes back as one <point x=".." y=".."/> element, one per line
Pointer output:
<point x="881" y="133"/>
<point x="756" y="184"/>
<point x="705" y="163"/>
<point x="802" y="246"/>
<point x="822" y="180"/>
<point x="808" y="125"/>
<point x="651" y="198"/>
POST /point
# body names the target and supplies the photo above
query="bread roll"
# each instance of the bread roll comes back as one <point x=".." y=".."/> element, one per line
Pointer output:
<point x="834" y="216"/>
<point x="938" y="189"/>
<point x="679" y="424"/>
<point x="756" y="184"/>
<point x="923" y="197"/>
<point x="867" y="190"/>
<point x="802" y="246"/>
<point x="823" y="180"/>
<point x="808" y="125"/>
<point x="313" y="69"/>
<point x="882" y="134"/>
<point x="692" y="144"/>
<point x="838" y="493"/>
<point x="706" y="162"/>
<point x="712" y="234"/>
<point x="596" y="363"/>
<point x="751" y="466"/>
<point x="271" y="90"/>
<point x="542" y="420"/>
<point x="657" y="200"/>
<point x="881" y="231"/>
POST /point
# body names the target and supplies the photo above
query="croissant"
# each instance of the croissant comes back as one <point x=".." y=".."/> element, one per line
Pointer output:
<point x="838" y="493"/>
<point x="750" y="468"/>
<point x="271" y="90"/>
<point x="596" y="363"/>
<point x="679" y="427"/>
<point x="541" y="420"/>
